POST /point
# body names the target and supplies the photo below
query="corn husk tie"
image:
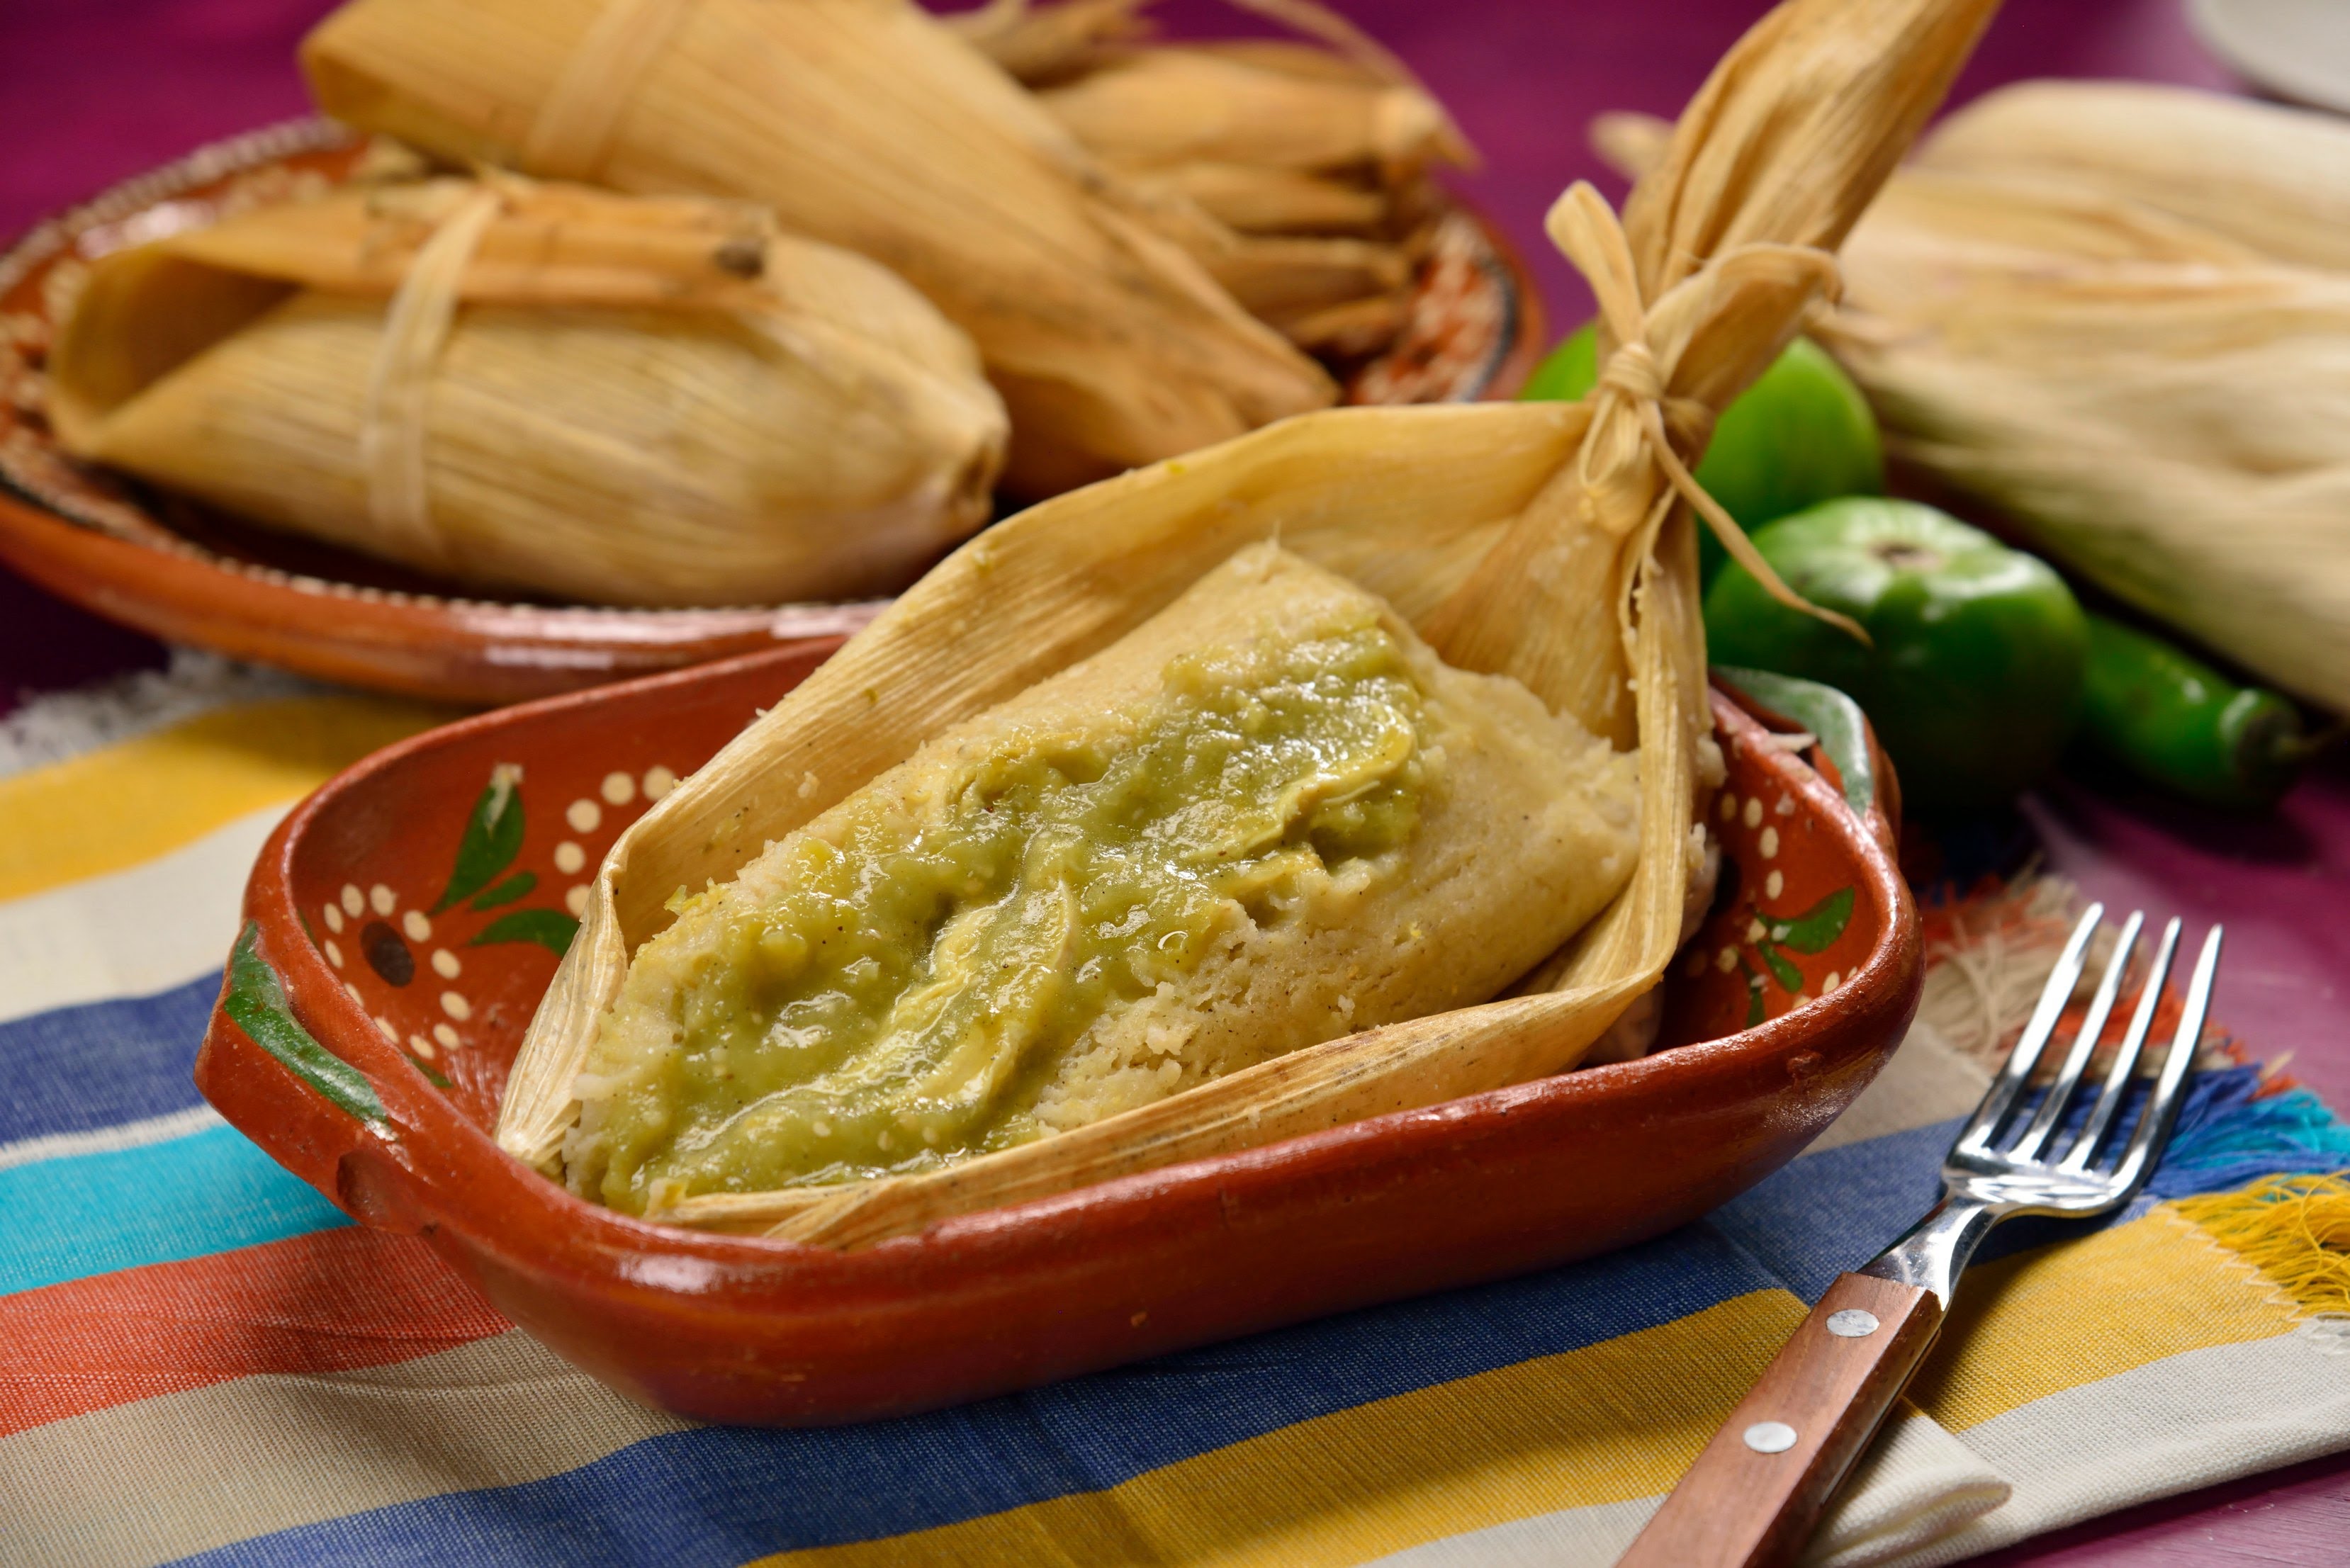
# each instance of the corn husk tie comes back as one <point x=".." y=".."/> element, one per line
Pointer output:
<point x="416" y="327"/>
<point x="1548" y="542"/>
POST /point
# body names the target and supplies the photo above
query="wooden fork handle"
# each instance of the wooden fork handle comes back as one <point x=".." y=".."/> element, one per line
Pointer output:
<point x="1754" y="1494"/>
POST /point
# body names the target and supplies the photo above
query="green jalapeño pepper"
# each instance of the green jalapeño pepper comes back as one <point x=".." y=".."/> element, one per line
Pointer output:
<point x="2173" y="720"/>
<point x="1800" y="435"/>
<point x="1974" y="683"/>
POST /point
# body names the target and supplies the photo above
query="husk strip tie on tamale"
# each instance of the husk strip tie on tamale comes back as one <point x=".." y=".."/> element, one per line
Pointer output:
<point x="1546" y="550"/>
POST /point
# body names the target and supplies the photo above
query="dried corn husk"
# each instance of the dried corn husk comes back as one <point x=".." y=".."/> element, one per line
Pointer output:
<point x="867" y="124"/>
<point x="2275" y="178"/>
<point x="2121" y="316"/>
<point x="1544" y="542"/>
<point x="1318" y="154"/>
<point x="544" y="387"/>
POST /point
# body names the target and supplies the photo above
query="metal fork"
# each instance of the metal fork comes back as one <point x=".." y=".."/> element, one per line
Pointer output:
<point x="1757" y="1490"/>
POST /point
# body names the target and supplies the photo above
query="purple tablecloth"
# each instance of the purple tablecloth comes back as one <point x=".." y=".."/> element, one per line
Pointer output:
<point x="92" y="90"/>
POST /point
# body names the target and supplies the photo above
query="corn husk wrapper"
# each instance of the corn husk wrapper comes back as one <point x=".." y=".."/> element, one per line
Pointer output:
<point x="1318" y="154"/>
<point x="868" y="124"/>
<point x="2121" y="315"/>
<point x="553" y="389"/>
<point x="1543" y="541"/>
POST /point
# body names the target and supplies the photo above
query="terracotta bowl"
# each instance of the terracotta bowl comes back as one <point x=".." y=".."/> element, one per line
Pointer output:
<point x="187" y="574"/>
<point x="404" y="921"/>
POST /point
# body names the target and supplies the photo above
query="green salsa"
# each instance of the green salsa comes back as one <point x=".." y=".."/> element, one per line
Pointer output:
<point x="908" y="972"/>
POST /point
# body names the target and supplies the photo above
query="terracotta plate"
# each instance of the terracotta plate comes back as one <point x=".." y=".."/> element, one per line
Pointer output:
<point x="405" y="919"/>
<point x="189" y="573"/>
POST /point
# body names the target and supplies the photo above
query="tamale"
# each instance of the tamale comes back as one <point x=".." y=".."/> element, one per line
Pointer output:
<point x="1319" y="154"/>
<point x="1551" y="544"/>
<point x="868" y="124"/>
<point x="1266" y="817"/>
<point x="551" y="390"/>
<point x="2120" y="314"/>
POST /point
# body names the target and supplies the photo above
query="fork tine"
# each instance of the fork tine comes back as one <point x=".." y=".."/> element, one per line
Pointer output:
<point x="2076" y="1061"/>
<point x="2162" y="1109"/>
<point x="2126" y="1055"/>
<point x="1975" y="1136"/>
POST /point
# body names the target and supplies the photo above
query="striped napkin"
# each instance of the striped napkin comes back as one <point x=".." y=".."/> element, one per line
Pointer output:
<point x="201" y="1358"/>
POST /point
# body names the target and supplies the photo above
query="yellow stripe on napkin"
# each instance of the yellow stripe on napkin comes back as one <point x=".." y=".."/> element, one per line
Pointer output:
<point x="1607" y="1423"/>
<point x="2085" y="1309"/>
<point x="126" y="803"/>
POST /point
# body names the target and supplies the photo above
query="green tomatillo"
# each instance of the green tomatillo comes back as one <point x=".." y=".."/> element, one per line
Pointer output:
<point x="1800" y="435"/>
<point x="1974" y="683"/>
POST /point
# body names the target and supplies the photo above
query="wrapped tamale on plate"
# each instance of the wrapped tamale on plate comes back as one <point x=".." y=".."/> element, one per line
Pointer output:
<point x="543" y="389"/>
<point x="1266" y="817"/>
<point x="1322" y="744"/>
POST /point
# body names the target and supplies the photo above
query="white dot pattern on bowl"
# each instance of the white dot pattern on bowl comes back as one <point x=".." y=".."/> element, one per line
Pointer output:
<point x="1753" y="814"/>
<point x="456" y="1006"/>
<point x="445" y="1035"/>
<point x="421" y="1046"/>
<point x="575" y="900"/>
<point x="584" y="815"/>
<point x="1768" y="844"/>
<point x="382" y="900"/>
<point x="569" y="859"/>
<point x="658" y="782"/>
<point x="1774" y="885"/>
<point x="334" y="916"/>
<point x="383" y="1026"/>
<point x="445" y="964"/>
<point x="334" y="953"/>
<point x="618" y="789"/>
<point x="418" y="926"/>
<point x="354" y="901"/>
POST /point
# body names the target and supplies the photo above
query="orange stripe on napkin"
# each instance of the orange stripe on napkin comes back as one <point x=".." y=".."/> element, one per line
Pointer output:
<point x="332" y="1301"/>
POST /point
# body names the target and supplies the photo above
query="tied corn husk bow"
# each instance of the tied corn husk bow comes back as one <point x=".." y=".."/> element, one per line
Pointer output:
<point x="542" y="387"/>
<point x="1541" y="541"/>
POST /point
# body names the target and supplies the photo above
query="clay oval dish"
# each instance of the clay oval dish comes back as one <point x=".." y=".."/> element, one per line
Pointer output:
<point x="186" y="573"/>
<point x="403" y="921"/>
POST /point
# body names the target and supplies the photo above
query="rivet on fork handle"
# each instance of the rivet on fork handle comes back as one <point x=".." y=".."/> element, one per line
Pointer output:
<point x="1758" y="1488"/>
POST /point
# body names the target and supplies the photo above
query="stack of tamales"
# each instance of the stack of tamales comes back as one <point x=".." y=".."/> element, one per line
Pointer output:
<point x="868" y="124"/>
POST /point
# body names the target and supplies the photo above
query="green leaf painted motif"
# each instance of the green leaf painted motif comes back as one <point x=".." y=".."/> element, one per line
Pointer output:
<point x="1753" y="993"/>
<point x="255" y="1002"/>
<point x="432" y="1078"/>
<point x="1826" y="712"/>
<point x="1789" y="978"/>
<point x="1816" y="929"/>
<point x="517" y="885"/>
<point x="550" y="928"/>
<point x="493" y="837"/>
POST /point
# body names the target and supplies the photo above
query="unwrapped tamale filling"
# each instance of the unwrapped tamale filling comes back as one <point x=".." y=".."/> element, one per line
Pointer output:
<point x="1267" y="817"/>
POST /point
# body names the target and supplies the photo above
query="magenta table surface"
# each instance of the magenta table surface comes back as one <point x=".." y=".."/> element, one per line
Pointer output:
<point x="92" y="90"/>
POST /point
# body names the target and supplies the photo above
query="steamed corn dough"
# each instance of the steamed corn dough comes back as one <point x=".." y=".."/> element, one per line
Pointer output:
<point x="1267" y="817"/>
